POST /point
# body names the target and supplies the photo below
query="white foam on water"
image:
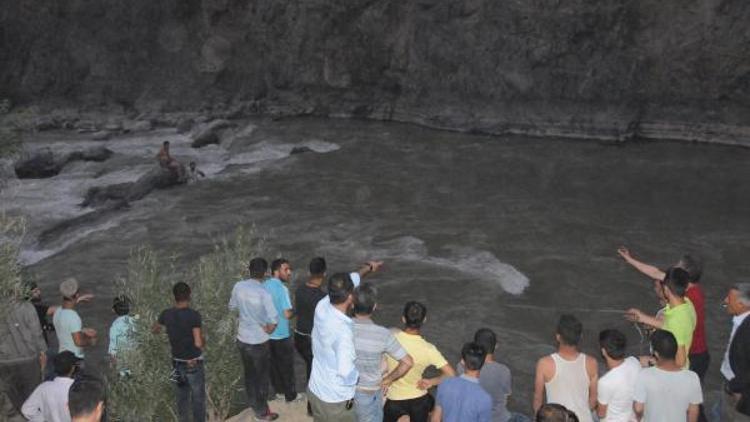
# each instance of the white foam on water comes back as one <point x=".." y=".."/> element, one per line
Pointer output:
<point x="479" y="264"/>
<point x="30" y="256"/>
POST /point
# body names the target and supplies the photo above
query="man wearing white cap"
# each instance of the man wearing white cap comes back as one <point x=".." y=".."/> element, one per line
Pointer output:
<point x="70" y="332"/>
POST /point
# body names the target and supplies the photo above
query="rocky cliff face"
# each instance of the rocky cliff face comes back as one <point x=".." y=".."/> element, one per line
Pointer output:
<point x="590" y="68"/>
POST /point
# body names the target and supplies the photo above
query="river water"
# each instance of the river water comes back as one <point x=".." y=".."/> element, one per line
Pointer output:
<point x="501" y="232"/>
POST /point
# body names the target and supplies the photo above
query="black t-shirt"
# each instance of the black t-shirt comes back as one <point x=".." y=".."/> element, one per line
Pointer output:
<point x="306" y="298"/>
<point x="180" y="323"/>
<point x="41" y="312"/>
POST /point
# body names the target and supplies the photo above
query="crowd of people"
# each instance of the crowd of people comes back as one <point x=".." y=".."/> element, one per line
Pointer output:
<point x="357" y="370"/>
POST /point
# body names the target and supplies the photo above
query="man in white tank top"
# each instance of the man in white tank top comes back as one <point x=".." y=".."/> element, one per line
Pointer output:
<point x="568" y="377"/>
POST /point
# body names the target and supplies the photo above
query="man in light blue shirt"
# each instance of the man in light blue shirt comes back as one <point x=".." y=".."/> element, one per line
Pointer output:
<point x="71" y="335"/>
<point x="281" y="346"/>
<point x="258" y="319"/>
<point x="334" y="375"/>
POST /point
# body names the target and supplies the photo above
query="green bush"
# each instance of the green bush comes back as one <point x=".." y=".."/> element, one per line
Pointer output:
<point x="147" y="394"/>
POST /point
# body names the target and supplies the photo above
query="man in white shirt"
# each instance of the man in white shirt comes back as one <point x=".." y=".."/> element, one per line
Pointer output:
<point x="616" y="387"/>
<point x="333" y="379"/>
<point x="49" y="401"/>
<point x="735" y="367"/>
<point x="684" y="387"/>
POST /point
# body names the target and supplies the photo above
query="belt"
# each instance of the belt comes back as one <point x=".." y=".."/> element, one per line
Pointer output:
<point x="302" y="334"/>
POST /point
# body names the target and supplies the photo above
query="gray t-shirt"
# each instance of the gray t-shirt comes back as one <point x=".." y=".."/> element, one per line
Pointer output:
<point x="652" y="386"/>
<point x="495" y="378"/>
<point x="371" y="341"/>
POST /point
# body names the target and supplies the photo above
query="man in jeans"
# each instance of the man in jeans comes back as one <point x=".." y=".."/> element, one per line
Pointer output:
<point x="371" y="342"/>
<point x="186" y="341"/>
<point x="282" y="349"/>
<point x="258" y="319"/>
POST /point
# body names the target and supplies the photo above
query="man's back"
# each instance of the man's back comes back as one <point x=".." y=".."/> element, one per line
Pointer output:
<point x="666" y="395"/>
<point x="570" y="385"/>
<point x="615" y="390"/>
<point x="21" y="334"/>
<point x="423" y="354"/>
<point x="496" y="380"/>
<point x="680" y="321"/>
<point x="66" y="323"/>
<point x="49" y="402"/>
<point x="334" y="375"/>
<point x="462" y="399"/>
<point x="371" y="341"/>
<point x="306" y="298"/>
<point x="256" y="310"/>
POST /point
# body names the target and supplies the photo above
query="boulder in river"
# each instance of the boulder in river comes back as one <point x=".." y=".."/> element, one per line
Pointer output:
<point x="210" y="133"/>
<point x="44" y="163"/>
<point x="156" y="178"/>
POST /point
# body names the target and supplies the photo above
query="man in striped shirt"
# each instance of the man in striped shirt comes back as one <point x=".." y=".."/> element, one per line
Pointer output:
<point x="371" y="342"/>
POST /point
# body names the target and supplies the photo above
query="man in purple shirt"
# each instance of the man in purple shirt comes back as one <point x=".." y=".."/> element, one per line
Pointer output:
<point x="462" y="399"/>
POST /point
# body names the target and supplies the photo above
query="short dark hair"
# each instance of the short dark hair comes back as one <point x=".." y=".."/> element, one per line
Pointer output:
<point x="63" y="363"/>
<point x="181" y="291"/>
<point x="414" y="314"/>
<point x="614" y="343"/>
<point x="365" y="297"/>
<point x="664" y="343"/>
<point x="487" y="339"/>
<point x="473" y="356"/>
<point x="277" y="263"/>
<point x="318" y="266"/>
<point x="258" y="267"/>
<point x="85" y="394"/>
<point x="676" y="280"/>
<point x="553" y="412"/>
<point x="165" y="143"/>
<point x="569" y="328"/>
<point x="693" y="265"/>
<point x="121" y="305"/>
<point x="340" y="286"/>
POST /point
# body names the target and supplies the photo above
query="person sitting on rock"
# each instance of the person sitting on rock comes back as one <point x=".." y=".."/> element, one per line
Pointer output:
<point x="194" y="174"/>
<point x="166" y="161"/>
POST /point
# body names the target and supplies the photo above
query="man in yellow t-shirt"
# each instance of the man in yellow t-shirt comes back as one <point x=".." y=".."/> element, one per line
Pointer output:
<point x="679" y="315"/>
<point x="408" y="396"/>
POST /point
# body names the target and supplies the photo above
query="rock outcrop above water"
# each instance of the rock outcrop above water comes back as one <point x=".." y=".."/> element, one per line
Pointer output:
<point x="122" y="193"/>
<point x="45" y="163"/>
<point x="580" y="68"/>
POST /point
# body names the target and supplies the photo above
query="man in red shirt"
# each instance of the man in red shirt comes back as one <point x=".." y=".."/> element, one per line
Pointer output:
<point x="698" y="354"/>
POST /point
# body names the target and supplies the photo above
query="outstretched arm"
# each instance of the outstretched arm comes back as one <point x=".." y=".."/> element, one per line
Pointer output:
<point x="369" y="267"/>
<point x="649" y="270"/>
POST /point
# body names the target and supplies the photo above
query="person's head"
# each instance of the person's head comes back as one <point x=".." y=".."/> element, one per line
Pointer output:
<point x="64" y="364"/>
<point x="365" y="299"/>
<point x="192" y="165"/>
<point x="340" y="289"/>
<point x="30" y="291"/>
<point x="121" y="305"/>
<point x="415" y="314"/>
<point x="569" y="330"/>
<point x="693" y="265"/>
<point x="487" y="339"/>
<point x="318" y="267"/>
<point x="86" y="398"/>
<point x="181" y="292"/>
<point x="613" y="344"/>
<point x="664" y="345"/>
<point x="69" y="289"/>
<point x="281" y="269"/>
<point x="165" y="144"/>
<point x="675" y="282"/>
<point x="737" y="300"/>
<point x="258" y="268"/>
<point x="553" y="412"/>
<point x="472" y="355"/>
